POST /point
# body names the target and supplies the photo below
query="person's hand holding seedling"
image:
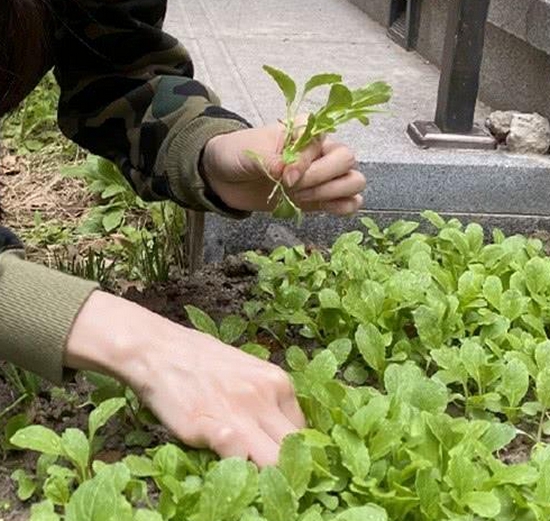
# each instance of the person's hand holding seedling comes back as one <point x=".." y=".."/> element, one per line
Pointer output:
<point x="291" y="165"/>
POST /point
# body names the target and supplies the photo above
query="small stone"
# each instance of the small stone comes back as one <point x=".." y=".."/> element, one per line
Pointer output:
<point x="238" y="266"/>
<point x="277" y="235"/>
<point x="499" y="123"/>
<point x="529" y="134"/>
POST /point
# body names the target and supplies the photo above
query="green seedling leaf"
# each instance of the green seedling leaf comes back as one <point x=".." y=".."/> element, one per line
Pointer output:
<point x="340" y="98"/>
<point x="278" y="498"/>
<point x="296" y="463"/>
<point x="514" y="382"/>
<point x="286" y="209"/>
<point x="140" y="466"/>
<point x="543" y="388"/>
<point x="26" y="486"/>
<point x="321" y="79"/>
<point x="229" y="488"/>
<point x="285" y="83"/>
<point x="363" y="513"/>
<point x="428" y="492"/>
<point x="484" y="504"/>
<point x="232" y="328"/>
<point x="355" y="455"/>
<point x="101" y="498"/>
<point x="147" y="515"/>
<point x="341" y="349"/>
<point x="100" y="416"/>
<point x="44" y="511"/>
<point x="202" y="321"/>
<point x="372" y="346"/>
<point x="368" y="416"/>
<point x="39" y="439"/>
<point x="113" y="219"/>
<point x="296" y="358"/>
<point x="77" y="449"/>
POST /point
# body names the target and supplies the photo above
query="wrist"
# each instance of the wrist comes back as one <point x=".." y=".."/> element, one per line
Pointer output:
<point x="114" y="336"/>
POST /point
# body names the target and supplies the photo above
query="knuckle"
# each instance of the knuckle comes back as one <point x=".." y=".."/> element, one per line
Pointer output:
<point x="224" y="437"/>
<point x="278" y="379"/>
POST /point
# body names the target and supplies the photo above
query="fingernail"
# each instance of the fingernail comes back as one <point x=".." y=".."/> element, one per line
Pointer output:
<point x="292" y="178"/>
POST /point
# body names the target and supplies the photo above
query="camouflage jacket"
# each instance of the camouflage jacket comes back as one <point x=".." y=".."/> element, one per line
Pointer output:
<point x="128" y="94"/>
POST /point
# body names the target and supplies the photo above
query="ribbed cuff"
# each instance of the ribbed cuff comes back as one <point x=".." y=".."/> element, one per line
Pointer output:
<point x="37" y="309"/>
<point x="182" y="164"/>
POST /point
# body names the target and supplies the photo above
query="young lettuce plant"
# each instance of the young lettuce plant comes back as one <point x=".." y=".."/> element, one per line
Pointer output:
<point x="343" y="105"/>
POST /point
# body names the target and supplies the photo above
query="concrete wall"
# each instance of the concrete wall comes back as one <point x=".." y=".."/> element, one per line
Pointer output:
<point x="516" y="65"/>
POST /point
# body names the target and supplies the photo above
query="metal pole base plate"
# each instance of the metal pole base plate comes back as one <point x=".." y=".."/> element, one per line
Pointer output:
<point x="428" y="135"/>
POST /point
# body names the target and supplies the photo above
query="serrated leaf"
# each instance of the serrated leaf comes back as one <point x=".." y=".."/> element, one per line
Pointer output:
<point x="278" y="498"/>
<point x="285" y="83"/>
<point x="39" y="439"/>
<point x="201" y="321"/>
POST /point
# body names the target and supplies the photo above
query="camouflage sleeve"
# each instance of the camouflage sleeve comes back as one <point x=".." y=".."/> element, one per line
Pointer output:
<point x="128" y="94"/>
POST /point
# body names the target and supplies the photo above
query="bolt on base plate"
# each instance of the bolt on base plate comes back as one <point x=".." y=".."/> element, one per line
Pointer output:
<point x="428" y="135"/>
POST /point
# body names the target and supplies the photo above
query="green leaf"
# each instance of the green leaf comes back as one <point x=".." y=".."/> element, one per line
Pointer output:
<point x="43" y="511"/>
<point x="76" y="448"/>
<point x="100" y="416"/>
<point x="232" y="328"/>
<point x="202" y="321"/>
<point x="369" y="415"/>
<point x="101" y="498"/>
<point x="296" y="463"/>
<point x="329" y="299"/>
<point x="514" y="382"/>
<point x="341" y="349"/>
<point x="322" y="368"/>
<point x="25" y="484"/>
<point x="285" y="83"/>
<point x="428" y="492"/>
<point x="542" y="355"/>
<point x="39" y="439"/>
<point x="340" y="98"/>
<point x="543" y="387"/>
<point x="498" y="435"/>
<point x="147" y="515"/>
<point x="112" y="220"/>
<point x="372" y="346"/>
<point x="113" y="190"/>
<point x="484" y="504"/>
<point x="321" y="79"/>
<point x="492" y="291"/>
<point x="296" y="358"/>
<point x="256" y="350"/>
<point x="363" y="513"/>
<point x="140" y="466"/>
<point x="286" y="209"/>
<point x="537" y="275"/>
<point x="355" y="455"/>
<point x="278" y="498"/>
<point x="229" y="488"/>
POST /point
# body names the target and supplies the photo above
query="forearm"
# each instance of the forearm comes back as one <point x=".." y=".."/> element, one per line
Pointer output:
<point x="37" y="309"/>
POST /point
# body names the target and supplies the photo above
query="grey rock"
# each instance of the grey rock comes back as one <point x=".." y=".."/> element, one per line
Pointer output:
<point x="529" y="134"/>
<point x="499" y="123"/>
<point x="277" y="235"/>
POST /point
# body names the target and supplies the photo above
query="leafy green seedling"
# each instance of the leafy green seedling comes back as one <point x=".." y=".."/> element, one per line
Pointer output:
<point x="342" y="105"/>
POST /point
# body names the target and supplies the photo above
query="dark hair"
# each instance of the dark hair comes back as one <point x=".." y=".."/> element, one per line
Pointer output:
<point x="24" y="49"/>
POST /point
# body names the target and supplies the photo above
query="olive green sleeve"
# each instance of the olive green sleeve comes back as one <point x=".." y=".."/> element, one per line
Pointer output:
<point x="37" y="309"/>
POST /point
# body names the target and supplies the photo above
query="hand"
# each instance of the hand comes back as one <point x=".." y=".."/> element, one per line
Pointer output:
<point x="207" y="393"/>
<point x="323" y="179"/>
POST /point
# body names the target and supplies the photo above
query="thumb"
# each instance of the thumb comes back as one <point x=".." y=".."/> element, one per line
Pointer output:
<point x="293" y="173"/>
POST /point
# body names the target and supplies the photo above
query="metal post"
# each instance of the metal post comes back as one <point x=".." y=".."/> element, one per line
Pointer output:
<point x="459" y="84"/>
<point x="194" y="240"/>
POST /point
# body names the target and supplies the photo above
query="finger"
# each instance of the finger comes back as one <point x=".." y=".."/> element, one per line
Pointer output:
<point x="347" y="185"/>
<point x="276" y="425"/>
<point x="261" y="447"/>
<point x="344" y="207"/>
<point x="291" y="409"/>
<point x="337" y="162"/>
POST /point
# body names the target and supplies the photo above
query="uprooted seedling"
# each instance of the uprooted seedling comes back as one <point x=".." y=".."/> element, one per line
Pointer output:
<point x="342" y="105"/>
